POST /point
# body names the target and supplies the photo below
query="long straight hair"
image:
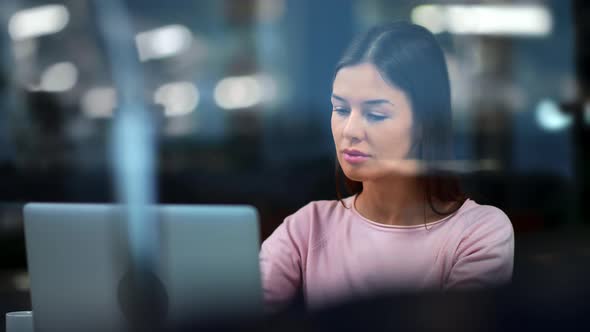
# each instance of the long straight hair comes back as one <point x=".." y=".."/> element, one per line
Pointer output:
<point x="408" y="57"/>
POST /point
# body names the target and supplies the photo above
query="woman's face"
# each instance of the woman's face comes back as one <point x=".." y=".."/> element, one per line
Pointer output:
<point x="371" y="125"/>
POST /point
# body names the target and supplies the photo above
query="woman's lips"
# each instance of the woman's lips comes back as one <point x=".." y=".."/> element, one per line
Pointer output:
<point x="354" y="156"/>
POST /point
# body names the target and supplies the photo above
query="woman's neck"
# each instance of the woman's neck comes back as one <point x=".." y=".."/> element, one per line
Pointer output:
<point x="399" y="201"/>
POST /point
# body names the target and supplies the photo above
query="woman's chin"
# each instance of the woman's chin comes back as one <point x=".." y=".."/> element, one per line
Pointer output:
<point x="357" y="175"/>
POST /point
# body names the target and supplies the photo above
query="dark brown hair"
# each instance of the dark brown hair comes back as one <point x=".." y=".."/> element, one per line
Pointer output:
<point x="409" y="57"/>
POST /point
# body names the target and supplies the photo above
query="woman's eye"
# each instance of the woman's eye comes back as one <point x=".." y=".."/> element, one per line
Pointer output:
<point x="341" y="111"/>
<point x="376" y="117"/>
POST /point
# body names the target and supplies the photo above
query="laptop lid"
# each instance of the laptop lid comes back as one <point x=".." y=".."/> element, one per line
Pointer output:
<point x="78" y="263"/>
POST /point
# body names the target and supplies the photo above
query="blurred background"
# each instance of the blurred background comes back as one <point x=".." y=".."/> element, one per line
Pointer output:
<point x="239" y="92"/>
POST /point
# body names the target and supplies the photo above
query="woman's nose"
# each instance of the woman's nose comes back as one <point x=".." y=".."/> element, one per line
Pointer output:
<point x="353" y="129"/>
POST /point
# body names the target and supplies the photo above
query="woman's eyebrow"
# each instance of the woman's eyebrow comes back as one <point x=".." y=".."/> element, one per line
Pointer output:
<point x="371" y="102"/>
<point x="374" y="102"/>
<point x="337" y="97"/>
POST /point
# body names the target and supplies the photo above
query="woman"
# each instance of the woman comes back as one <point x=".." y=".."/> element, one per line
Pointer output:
<point x="407" y="225"/>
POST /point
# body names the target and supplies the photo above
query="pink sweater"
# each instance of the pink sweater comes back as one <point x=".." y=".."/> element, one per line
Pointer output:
<point x="335" y="254"/>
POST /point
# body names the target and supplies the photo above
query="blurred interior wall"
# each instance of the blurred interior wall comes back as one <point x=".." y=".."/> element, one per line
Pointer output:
<point x="581" y="107"/>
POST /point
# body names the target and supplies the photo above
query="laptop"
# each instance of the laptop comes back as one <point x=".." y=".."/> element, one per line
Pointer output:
<point x="78" y="264"/>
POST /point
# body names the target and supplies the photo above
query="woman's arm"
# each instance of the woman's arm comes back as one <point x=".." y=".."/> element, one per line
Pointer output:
<point x="281" y="264"/>
<point x="485" y="255"/>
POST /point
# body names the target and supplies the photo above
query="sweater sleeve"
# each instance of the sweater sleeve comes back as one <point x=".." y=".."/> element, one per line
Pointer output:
<point x="485" y="254"/>
<point x="281" y="263"/>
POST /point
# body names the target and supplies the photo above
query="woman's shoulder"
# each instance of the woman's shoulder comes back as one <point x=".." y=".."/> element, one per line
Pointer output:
<point x="316" y="218"/>
<point x="322" y="209"/>
<point x="319" y="213"/>
<point x="473" y="216"/>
